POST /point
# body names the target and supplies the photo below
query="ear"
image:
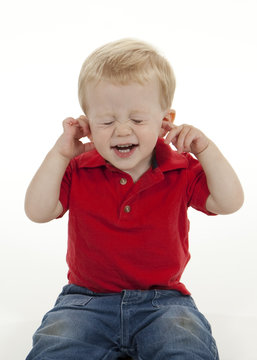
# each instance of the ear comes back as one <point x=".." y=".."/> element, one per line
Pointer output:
<point x="89" y="135"/>
<point x="86" y="126"/>
<point x="170" y="115"/>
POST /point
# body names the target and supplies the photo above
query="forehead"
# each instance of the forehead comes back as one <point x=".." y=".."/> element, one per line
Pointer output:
<point x="108" y="96"/>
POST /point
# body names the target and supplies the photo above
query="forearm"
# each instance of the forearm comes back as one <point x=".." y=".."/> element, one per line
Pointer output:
<point x="226" y="193"/>
<point x="42" y="196"/>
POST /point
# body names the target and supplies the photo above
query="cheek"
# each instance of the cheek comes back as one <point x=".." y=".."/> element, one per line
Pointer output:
<point x="159" y="128"/>
<point x="100" y="137"/>
<point x="95" y="136"/>
<point x="149" y="138"/>
<point x="153" y="130"/>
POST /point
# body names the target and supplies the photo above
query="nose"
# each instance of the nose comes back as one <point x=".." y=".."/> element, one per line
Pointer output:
<point x="122" y="129"/>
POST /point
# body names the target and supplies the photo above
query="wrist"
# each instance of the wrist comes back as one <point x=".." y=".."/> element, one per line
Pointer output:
<point x="210" y="154"/>
<point x="56" y="154"/>
<point x="205" y="148"/>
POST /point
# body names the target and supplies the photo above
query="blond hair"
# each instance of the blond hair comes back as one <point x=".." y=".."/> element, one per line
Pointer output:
<point x="125" y="61"/>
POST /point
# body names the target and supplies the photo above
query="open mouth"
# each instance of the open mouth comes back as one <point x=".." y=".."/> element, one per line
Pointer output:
<point x="124" y="148"/>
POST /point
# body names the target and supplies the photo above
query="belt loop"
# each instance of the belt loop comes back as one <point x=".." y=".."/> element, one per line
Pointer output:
<point x="155" y="297"/>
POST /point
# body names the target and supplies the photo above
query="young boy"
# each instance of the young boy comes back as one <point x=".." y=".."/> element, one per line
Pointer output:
<point x="127" y="193"/>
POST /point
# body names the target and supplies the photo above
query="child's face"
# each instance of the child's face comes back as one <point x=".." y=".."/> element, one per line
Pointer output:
<point x="125" y="121"/>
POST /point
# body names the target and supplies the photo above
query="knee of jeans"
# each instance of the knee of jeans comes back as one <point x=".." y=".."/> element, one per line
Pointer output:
<point x="184" y="320"/>
<point x="57" y="328"/>
<point x="66" y="317"/>
<point x="189" y="322"/>
<point x="64" y="324"/>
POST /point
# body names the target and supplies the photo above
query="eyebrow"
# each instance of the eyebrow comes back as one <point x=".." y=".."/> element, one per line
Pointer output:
<point x="105" y="115"/>
<point x="134" y="112"/>
<point x="139" y="113"/>
<point x="139" y="110"/>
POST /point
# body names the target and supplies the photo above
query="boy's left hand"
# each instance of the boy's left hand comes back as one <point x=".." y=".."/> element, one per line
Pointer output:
<point x="226" y="193"/>
<point x="185" y="138"/>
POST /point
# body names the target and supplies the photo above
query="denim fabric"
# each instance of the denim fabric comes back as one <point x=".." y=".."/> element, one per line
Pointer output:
<point x="146" y="325"/>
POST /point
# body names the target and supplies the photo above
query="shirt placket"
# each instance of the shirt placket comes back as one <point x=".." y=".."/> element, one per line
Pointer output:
<point x="127" y="206"/>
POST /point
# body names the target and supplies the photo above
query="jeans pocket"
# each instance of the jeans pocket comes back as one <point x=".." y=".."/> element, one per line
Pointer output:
<point x="72" y="301"/>
<point x="164" y="298"/>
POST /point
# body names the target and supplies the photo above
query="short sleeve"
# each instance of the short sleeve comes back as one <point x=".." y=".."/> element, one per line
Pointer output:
<point x="65" y="189"/>
<point x="197" y="188"/>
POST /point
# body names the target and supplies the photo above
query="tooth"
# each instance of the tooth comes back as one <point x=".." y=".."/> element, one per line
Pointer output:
<point x="128" y="145"/>
<point x="124" y="151"/>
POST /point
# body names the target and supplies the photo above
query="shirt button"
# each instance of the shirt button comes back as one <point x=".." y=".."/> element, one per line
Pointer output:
<point x="123" y="181"/>
<point x="127" y="209"/>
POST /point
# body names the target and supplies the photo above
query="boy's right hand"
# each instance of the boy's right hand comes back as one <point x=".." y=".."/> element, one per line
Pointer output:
<point x="69" y="145"/>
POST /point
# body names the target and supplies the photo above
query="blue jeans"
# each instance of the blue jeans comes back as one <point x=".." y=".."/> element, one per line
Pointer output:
<point x="146" y="325"/>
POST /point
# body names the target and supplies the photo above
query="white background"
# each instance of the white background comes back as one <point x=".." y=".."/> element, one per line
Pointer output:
<point x="212" y="48"/>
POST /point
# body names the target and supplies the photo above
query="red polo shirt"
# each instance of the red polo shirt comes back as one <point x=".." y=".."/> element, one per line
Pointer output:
<point x="125" y="235"/>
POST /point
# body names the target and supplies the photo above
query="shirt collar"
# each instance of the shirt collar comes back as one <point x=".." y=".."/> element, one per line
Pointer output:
<point x="164" y="157"/>
<point x="168" y="159"/>
<point x="90" y="159"/>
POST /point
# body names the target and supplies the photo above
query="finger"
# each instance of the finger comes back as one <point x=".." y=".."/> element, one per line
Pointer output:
<point x="74" y="122"/>
<point x="172" y="135"/>
<point x="182" y="138"/>
<point x="80" y="126"/>
<point x="167" y="125"/>
<point x="82" y="120"/>
<point x="68" y="122"/>
<point x="191" y="136"/>
<point x="165" y="128"/>
<point x="70" y="127"/>
<point x="84" y="124"/>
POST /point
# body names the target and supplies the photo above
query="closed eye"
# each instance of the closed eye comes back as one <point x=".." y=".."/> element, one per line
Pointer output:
<point x="108" y="123"/>
<point x="137" y="121"/>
